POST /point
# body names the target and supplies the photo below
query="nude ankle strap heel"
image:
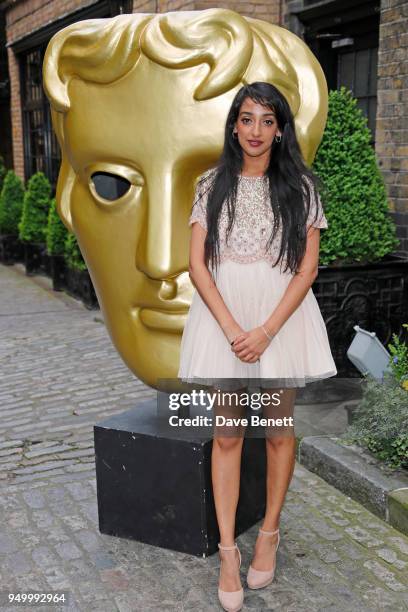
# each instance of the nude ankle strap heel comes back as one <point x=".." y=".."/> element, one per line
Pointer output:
<point x="257" y="579"/>
<point x="231" y="601"/>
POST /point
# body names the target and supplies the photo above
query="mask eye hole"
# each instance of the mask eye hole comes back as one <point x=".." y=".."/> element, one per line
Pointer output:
<point x="110" y="186"/>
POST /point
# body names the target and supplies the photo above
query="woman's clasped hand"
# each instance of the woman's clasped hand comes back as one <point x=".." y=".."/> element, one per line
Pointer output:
<point x="250" y="345"/>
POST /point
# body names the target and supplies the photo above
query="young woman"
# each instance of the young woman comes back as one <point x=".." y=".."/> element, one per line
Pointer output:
<point x="254" y="319"/>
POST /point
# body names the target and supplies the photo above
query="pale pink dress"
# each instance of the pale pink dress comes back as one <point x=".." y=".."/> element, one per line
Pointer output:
<point x="251" y="288"/>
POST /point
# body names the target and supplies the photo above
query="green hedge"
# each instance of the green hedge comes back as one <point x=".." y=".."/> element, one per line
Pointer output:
<point x="34" y="219"/>
<point x="11" y="203"/>
<point x="380" y="423"/>
<point x="399" y="357"/>
<point x="72" y="253"/>
<point x="56" y="231"/>
<point x="360" y="226"/>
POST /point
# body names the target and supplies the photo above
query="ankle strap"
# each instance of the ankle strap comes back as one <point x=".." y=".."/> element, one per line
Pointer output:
<point x="232" y="548"/>
<point x="268" y="532"/>
<point x="227" y="547"/>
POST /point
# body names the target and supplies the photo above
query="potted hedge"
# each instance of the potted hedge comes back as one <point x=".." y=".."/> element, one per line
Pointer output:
<point x="55" y="243"/>
<point x="79" y="282"/>
<point x="380" y="420"/>
<point x="360" y="280"/>
<point x="11" y="205"/>
<point x="33" y="223"/>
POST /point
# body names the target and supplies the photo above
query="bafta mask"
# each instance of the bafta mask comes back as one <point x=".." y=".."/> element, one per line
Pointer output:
<point x="141" y="100"/>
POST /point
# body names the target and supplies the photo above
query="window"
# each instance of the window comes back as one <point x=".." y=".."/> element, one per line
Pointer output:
<point x="41" y="148"/>
<point x="344" y="35"/>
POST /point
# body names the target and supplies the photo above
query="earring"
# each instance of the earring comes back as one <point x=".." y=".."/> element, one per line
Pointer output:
<point x="278" y="137"/>
<point x="235" y="134"/>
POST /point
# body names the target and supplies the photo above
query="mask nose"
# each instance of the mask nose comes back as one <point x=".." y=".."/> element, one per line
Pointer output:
<point x="160" y="255"/>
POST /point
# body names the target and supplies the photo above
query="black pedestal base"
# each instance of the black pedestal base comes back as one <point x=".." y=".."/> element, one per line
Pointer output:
<point x="157" y="489"/>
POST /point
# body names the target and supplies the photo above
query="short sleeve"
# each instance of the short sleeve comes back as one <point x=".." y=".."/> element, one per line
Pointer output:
<point x="316" y="218"/>
<point x="199" y="208"/>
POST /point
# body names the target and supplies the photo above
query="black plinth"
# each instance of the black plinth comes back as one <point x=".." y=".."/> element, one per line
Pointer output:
<point x="156" y="488"/>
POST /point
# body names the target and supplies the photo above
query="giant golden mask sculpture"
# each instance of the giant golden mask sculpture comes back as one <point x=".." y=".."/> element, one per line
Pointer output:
<point x="144" y="97"/>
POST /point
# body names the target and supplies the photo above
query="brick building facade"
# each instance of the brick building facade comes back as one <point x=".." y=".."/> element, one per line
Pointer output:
<point x="362" y="44"/>
<point x="392" y="114"/>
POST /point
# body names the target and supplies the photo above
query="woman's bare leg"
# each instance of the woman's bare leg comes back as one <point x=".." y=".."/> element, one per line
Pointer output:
<point x="280" y="450"/>
<point x="225" y="471"/>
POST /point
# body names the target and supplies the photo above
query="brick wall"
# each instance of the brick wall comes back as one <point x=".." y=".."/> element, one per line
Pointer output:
<point x="15" y="112"/>
<point x="392" y="110"/>
<point x="268" y="10"/>
<point x="25" y="17"/>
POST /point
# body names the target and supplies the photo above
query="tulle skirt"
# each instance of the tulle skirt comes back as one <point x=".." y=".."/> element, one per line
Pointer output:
<point x="298" y="354"/>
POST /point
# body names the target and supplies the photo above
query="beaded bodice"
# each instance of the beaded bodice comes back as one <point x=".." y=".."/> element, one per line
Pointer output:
<point x="253" y="220"/>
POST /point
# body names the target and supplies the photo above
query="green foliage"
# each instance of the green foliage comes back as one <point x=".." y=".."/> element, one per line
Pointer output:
<point x="56" y="231"/>
<point x="72" y="253"/>
<point x="380" y="423"/>
<point x="34" y="220"/>
<point x="360" y="228"/>
<point x="399" y="357"/>
<point x="3" y="172"/>
<point x="11" y="203"/>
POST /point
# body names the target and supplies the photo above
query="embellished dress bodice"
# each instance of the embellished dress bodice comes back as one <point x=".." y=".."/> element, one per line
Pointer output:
<point x="253" y="221"/>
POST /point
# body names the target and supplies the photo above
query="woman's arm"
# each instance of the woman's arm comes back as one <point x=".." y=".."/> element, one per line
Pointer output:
<point x="250" y="348"/>
<point x="206" y="287"/>
<point x="299" y="284"/>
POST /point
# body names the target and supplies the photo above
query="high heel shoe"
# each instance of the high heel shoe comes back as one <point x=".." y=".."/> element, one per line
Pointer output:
<point x="257" y="579"/>
<point x="231" y="601"/>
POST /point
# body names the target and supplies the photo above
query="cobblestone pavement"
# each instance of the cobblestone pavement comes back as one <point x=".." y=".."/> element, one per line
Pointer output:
<point x="59" y="375"/>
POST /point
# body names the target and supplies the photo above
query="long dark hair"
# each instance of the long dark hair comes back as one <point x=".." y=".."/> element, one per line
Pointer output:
<point x="287" y="173"/>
